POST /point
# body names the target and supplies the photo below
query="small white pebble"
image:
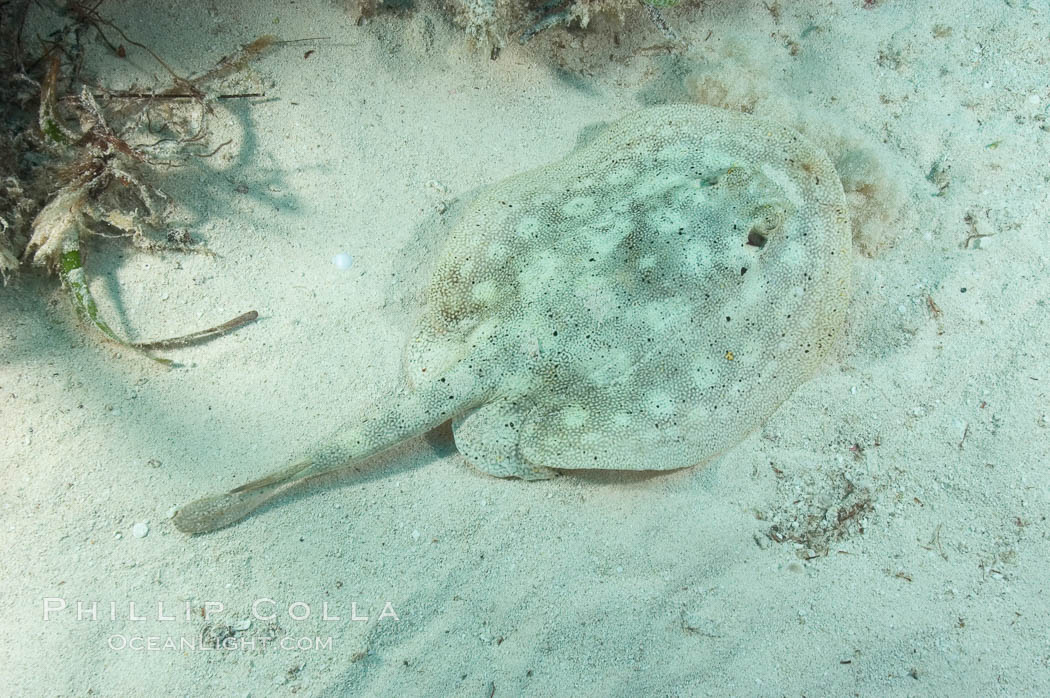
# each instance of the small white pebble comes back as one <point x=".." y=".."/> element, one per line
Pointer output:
<point x="241" y="625"/>
<point x="140" y="529"/>
<point x="415" y="535"/>
<point x="1033" y="99"/>
<point x="342" y="261"/>
<point x="172" y="511"/>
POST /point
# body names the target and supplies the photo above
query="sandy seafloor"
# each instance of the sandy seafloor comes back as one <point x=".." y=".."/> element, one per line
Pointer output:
<point x="929" y="422"/>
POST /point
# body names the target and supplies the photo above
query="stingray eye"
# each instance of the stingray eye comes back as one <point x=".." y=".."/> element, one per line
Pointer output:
<point x="765" y="220"/>
<point x="756" y="239"/>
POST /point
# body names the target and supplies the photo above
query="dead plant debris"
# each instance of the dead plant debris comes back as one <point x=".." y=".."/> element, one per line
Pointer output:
<point x="78" y="159"/>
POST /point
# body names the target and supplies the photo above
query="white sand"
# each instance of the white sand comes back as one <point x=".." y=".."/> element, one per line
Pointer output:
<point x="614" y="584"/>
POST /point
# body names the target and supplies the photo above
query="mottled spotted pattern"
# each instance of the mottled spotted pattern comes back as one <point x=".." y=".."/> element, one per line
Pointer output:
<point x="643" y="303"/>
<point x="651" y="298"/>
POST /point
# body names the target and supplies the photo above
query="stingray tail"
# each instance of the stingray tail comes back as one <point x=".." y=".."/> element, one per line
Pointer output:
<point x="412" y="414"/>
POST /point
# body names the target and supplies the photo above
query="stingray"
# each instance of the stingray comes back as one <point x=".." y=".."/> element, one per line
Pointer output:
<point x="642" y="304"/>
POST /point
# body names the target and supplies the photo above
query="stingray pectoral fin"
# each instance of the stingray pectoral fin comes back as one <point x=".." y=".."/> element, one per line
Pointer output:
<point x="488" y="439"/>
<point x="564" y="435"/>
